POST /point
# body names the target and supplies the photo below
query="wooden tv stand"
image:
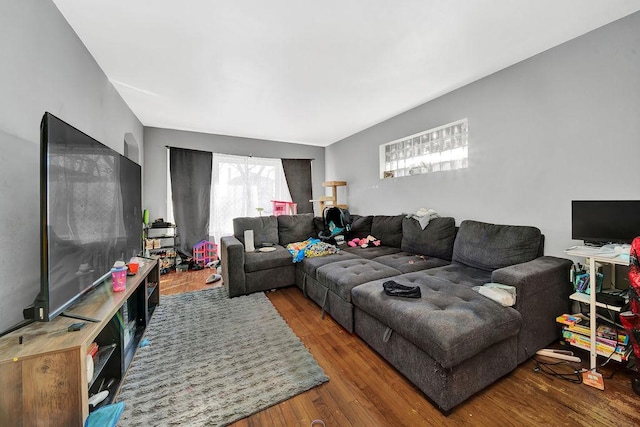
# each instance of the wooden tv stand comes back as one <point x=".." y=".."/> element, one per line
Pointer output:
<point x="44" y="381"/>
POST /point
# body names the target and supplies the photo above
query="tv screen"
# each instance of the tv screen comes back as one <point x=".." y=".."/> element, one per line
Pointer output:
<point x="90" y="214"/>
<point x="605" y="221"/>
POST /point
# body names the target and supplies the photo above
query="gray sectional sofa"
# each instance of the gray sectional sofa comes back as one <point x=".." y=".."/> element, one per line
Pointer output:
<point x="451" y="342"/>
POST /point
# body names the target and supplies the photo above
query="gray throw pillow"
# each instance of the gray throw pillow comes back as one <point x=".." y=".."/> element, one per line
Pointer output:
<point x="318" y="224"/>
<point x="265" y="229"/>
<point x="490" y="246"/>
<point x="360" y="227"/>
<point x="387" y="229"/>
<point x="295" y="228"/>
<point x="436" y="240"/>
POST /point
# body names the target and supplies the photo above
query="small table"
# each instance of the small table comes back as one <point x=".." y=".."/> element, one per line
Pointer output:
<point x="592" y="256"/>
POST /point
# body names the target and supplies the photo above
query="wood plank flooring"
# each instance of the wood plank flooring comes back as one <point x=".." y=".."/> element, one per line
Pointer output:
<point x="364" y="390"/>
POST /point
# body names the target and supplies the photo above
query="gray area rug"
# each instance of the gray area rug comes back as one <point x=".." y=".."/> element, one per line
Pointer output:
<point x="212" y="360"/>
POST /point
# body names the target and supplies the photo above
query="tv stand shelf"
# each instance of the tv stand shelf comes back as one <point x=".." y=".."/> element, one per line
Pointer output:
<point x="167" y="237"/>
<point x="44" y="375"/>
<point x="104" y="355"/>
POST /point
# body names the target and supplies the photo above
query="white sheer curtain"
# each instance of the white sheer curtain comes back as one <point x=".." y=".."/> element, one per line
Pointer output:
<point x="240" y="185"/>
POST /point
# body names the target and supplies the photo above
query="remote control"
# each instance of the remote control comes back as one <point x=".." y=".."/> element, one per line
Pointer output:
<point x="75" y="327"/>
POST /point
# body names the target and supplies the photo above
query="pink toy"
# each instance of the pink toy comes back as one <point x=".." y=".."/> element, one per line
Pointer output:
<point x="364" y="242"/>
<point x="369" y="239"/>
<point x="204" y="252"/>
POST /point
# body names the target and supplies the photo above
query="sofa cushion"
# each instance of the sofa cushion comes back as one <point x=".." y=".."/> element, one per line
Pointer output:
<point x="265" y="229"/>
<point x="436" y="240"/>
<point x="387" y="229"/>
<point x="360" y="227"/>
<point x="450" y="322"/>
<point x="342" y="276"/>
<point x="318" y="224"/>
<point x="407" y="262"/>
<point x="257" y="261"/>
<point x="371" y="251"/>
<point x="295" y="228"/>
<point x="310" y="265"/>
<point x="459" y="274"/>
<point x="491" y="246"/>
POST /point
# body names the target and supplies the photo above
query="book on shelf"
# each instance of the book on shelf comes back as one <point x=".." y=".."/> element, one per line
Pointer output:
<point x="580" y="329"/>
<point x="568" y="319"/>
<point x="611" y="333"/>
<point x="602" y="349"/>
<point x="607" y="334"/>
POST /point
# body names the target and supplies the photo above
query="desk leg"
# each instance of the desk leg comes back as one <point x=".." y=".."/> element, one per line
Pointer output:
<point x="613" y="275"/>
<point x="592" y="312"/>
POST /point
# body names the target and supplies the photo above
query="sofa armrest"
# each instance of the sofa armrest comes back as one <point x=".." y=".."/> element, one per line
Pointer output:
<point x="542" y="293"/>
<point x="531" y="278"/>
<point x="232" y="257"/>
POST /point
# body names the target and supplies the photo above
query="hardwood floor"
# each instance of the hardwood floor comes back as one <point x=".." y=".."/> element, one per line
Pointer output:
<point x="176" y="283"/>
<point x="364" y="390"/>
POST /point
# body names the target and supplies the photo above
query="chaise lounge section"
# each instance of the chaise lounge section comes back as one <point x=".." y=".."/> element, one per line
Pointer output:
<point x="451" y="342"/>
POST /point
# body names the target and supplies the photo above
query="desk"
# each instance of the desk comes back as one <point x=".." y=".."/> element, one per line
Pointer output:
<point x="591" y="258"/>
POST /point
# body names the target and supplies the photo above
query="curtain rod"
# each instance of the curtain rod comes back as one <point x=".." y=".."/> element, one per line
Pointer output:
<point x="189" y="149"/>
<point x="250" y="155"/>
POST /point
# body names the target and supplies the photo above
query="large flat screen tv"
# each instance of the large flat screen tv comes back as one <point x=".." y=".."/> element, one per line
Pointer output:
<point x="90" y="215"/>
<point x="605" y="221"/>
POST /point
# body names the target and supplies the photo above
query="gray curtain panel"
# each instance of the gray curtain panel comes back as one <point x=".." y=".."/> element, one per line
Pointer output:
<point x="190" y="172"/>
<point x="298" y="175"/>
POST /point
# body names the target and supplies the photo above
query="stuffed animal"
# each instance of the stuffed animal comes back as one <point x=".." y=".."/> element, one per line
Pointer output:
<point x="364" y="242"/>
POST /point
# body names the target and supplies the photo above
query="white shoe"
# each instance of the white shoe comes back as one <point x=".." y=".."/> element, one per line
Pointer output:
<point x="213" y="278"/>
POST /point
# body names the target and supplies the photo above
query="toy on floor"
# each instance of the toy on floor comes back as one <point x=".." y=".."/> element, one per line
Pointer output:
<point x="364" y="242"/>
<point x="205" y="252"/>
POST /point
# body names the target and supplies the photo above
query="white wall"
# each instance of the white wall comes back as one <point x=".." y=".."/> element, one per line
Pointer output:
<point x="155" y="171"/>
<point x="560" y="126"/>
<point x="45" y="67"/>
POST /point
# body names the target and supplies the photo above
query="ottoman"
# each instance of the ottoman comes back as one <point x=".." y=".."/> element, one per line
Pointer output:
<point x="450" y="343"/>
<point x="337" y="279"/>
<point x="306" y="274"/>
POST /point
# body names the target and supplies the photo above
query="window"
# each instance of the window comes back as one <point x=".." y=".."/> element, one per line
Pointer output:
<point x="438" y="149"/>
<point x="240" y="185"/>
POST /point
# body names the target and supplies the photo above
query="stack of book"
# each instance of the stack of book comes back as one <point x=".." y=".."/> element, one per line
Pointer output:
<point x="610" y="341"/>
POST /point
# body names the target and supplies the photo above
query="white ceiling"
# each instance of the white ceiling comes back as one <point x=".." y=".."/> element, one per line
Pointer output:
<point x="312" y="72"/>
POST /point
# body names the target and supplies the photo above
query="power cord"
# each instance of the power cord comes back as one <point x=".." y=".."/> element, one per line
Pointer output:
<point x="550" y="368"/>
<point x="572" y="374"/>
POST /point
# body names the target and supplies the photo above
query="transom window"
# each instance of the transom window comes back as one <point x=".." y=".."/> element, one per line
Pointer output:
<point x="438" y="149"/>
